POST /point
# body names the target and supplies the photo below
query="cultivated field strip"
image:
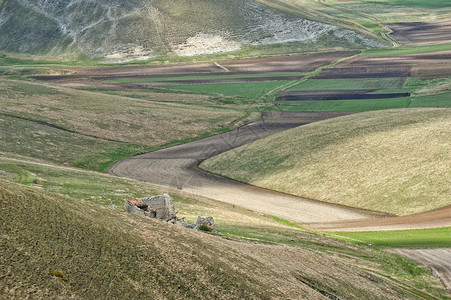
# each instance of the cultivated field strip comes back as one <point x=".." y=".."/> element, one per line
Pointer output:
<point x="432" y="219"/>
<point x="335" y="95"/>
<point x="421" y="33"/>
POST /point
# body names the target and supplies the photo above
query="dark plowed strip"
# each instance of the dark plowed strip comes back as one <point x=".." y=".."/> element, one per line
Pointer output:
<point x="421" y="33"/>
<point x="335" y="95"/>
<point x="364" y="72"/>
<point x="210" y="81"/>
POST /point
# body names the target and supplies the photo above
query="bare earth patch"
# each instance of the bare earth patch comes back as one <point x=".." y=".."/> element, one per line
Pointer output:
<point x="432" y="219"/>
<point x="421" y="33"/>
<point x="438" y="260"/>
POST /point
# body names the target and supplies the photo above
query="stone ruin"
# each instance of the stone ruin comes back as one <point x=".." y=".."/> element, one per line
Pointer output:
<point x="162" y="208"/>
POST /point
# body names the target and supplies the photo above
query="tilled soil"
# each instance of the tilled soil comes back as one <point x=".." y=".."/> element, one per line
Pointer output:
<point x="295" y="63"/>
<point x="432" y="219"/>
<point x="382" y="66"/>
<point x="335" y="95"/>
<point x="421" y="33"/>
<point x="438" y="260"/>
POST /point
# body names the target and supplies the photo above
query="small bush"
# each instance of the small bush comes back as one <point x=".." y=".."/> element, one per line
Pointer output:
<point x="59" y="274"/>
<point x="205" y="228"/>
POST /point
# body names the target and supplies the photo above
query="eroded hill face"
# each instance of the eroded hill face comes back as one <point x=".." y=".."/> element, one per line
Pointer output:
<point x="139" y="29"/>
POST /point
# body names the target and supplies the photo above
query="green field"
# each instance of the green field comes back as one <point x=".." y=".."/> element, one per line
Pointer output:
<point x="91" y="130"/>
<point x="438" y="100"/>
<point x="436" y="4"/>
<point x="252" y="90"/>
<point x="344" y="105"/>
<point x="423" y="238"/>
<point x="391" y="84"/>
<point x="409" y="50"/>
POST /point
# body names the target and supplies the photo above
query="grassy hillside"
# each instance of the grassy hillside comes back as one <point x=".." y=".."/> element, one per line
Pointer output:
<point x="371" y="15"/>
<point x="60" y="246"/>
<point x="395" y="161"/>
<point x="139" y="29"/>
<point x="90" y="130"/>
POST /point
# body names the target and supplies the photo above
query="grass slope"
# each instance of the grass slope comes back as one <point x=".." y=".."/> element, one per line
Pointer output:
<point x="91" y="130"/>
<point x="62" y="247"/>
<point x="422" y="238"/>
<point x="253" y="90"/>
<point x="395" y="161"/>
<point x="141" y="30"/>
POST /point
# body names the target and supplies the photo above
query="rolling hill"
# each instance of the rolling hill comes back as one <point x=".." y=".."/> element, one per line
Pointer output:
<point x="395" y="161"/>
<point x="58" y="247"/>
<point x="139" y="29"/>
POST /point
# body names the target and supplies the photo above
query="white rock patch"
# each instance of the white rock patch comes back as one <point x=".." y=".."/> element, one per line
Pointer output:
<point x="203" y="43"/>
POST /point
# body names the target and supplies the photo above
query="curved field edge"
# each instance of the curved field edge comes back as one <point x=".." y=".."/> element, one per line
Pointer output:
<point x="419" y="238"/>
<point x="395" y="161"/>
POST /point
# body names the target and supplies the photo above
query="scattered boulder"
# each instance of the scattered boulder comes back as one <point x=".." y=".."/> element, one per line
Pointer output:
<point x="162" y="208"/>
<point x="159" y="207"/>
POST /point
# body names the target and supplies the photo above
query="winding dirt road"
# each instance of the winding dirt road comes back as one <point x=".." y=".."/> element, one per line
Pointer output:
<point x="177" y="167"/>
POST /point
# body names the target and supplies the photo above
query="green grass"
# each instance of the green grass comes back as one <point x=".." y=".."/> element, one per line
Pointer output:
<point x="392" y="84"/>
<point x="408" y="50"/>
<point x="286" y="222"/>
<point x="438" y="100"/>
<point x="422" y="238"/>
<point x="344" y="105"/>
<point x="65" y="247"/>
<point x="436" y="4"/>
<point x="253" y="90"/>
<point x="92" y="130"/>
<point x="205" y="77"/>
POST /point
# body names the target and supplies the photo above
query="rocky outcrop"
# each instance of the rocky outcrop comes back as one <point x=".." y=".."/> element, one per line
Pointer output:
<point x="159" y="207"/>
<point x="124" y="30"/>
<point x="162" y="208"/>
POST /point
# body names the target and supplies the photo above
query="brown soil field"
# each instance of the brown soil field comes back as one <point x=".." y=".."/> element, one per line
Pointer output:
<point x="421" y="33"/>
<point x="98" y="77"/>
<point x="378" y="66"/>
<point x="335" y="95"/>
<point x="302" y="63"/>
<point x="428" y="71"/>
<point x="220" y="80"/>
<point x="438" y="260"/>
<point x="432" y="219"/>
<point x="297" y="63"/>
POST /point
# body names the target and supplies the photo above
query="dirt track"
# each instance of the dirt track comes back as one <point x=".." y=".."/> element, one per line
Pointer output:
<point x="436" y="218"/>
<point x="177" y="167"/>
<point x="438" y="260"/>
